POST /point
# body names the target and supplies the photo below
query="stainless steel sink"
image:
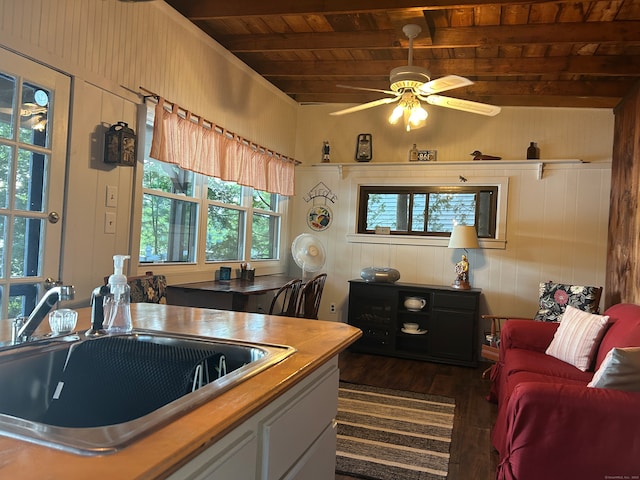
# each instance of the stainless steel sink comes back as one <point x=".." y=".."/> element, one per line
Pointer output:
<point x="96" y="395"/>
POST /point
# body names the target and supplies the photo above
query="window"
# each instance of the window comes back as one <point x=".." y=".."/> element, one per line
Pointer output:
<point x="428" y="210"/>
<point x="238" y="223"/>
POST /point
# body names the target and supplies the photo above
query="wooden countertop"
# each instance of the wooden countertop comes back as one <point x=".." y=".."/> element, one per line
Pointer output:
<point x="159" y="453"/>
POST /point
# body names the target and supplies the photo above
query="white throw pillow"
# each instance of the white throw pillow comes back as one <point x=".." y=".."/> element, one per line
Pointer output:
<point x="577" y="337"/>
<point x="619" y="370"/>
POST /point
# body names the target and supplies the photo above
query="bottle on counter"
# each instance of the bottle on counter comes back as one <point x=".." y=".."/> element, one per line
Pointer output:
<point x="533" y="152"/>
<point x="117" y="308"/>
<point x="413" y="154"/>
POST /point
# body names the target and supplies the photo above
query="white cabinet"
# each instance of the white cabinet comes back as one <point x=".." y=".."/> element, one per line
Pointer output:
<point x="292" y="438"/>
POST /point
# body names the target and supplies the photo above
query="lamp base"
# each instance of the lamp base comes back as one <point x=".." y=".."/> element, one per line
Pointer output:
<point x="461" y="285"/>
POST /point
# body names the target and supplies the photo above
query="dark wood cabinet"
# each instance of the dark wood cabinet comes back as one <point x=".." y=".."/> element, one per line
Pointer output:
<point x="448" y="322"/>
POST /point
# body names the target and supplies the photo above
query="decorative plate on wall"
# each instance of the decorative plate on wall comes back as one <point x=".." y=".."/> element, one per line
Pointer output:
<point x="319" y="217"/>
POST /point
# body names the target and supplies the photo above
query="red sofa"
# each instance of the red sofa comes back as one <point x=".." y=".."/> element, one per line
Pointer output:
<point x="550" y="425"/>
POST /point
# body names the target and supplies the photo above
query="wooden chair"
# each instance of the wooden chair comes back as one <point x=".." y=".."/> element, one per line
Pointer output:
<point x="285" y="301"/>
<point x="310" y="296"/>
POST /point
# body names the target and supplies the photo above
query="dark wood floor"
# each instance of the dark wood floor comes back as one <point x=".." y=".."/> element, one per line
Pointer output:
<point x="472" y="456"/>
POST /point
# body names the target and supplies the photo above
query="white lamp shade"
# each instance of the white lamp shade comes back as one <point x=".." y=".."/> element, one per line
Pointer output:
<point x="464" y="236"/>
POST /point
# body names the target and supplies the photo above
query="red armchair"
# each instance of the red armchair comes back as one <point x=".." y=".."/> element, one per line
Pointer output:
<point x="550" y="424"/>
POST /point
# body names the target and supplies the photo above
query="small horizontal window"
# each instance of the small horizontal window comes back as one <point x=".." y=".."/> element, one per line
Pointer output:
<point x="428" y="210"/>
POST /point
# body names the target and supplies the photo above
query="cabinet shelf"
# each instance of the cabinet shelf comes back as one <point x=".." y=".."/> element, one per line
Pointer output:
<point x="450" y="318"/>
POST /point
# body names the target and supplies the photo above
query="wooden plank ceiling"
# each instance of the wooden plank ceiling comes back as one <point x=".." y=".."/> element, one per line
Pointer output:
<point x="518" y="53"/>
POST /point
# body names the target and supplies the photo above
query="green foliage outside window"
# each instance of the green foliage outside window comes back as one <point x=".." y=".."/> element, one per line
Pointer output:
<point x="170" y="207"/>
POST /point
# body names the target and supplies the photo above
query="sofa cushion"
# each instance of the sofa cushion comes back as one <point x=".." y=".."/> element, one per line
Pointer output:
<point x="519" y="360"/>
<point x="554" y="298"/>
<point x="619" y="370"/>
<point x="624" y="333"/>
<point x="577" y="338"/>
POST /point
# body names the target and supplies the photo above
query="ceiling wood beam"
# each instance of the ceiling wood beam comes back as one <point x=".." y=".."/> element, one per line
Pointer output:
<point x="208" y="10"/>
<point x="603" y="88"/>
<point x="451" y="37"/>
<point x="603" y="65"/>
<point x="502" y="100"/>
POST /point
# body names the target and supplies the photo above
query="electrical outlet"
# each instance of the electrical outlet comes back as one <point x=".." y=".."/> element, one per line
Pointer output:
<point x="332" y="308"/>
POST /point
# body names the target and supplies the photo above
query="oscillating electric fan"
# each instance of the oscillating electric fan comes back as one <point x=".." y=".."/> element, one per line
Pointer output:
<point x="308" y="253"/>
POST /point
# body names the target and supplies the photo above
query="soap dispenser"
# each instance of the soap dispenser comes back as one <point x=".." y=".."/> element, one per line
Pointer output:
<point x="117" y="310"/>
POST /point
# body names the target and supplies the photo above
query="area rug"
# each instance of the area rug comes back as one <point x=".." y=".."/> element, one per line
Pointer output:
<point x="388" y="434"/>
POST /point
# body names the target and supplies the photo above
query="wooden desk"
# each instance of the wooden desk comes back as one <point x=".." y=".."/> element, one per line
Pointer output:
<point x="225" y="295"/>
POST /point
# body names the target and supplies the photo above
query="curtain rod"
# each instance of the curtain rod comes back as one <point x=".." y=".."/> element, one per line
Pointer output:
<point x="219" y="129"/>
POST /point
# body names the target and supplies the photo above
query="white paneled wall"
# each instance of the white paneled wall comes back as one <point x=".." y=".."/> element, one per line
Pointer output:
<point x="556" y="226"/>
<point x="582" y="133"/>
<point x="556" y="230"/>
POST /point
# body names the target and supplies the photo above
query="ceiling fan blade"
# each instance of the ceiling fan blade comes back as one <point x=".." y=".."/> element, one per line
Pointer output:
<point x="388" y="92"/>
<point x="444" y="83"/>
<point x="464" y="105"/>
<point x="364" y="106"/>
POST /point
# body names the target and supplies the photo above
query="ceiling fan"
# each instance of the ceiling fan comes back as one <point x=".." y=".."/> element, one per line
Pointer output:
<point x="410" y="84"/>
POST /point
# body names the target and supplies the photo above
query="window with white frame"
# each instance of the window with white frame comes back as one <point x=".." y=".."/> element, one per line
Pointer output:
<point x="188" y="216"/>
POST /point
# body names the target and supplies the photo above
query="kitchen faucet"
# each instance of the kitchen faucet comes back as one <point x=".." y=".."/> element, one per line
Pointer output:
<point x="46" y="303"/>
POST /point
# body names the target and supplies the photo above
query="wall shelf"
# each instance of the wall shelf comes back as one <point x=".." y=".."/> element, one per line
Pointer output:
<point x="539" y="165"/>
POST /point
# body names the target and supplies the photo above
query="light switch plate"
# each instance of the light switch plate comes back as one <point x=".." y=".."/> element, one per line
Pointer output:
<point x="109" y="222"/>
<point x="112" y="196"/>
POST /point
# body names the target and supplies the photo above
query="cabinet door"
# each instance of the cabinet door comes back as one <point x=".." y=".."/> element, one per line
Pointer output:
<point x="318" y="463"/>
<point x="451" y="334"/>
<point x="234" y="456"/>
<point x="372" y="308"/>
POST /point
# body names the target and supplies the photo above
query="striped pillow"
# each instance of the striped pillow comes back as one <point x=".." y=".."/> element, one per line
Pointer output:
<point x="577" y="338"/>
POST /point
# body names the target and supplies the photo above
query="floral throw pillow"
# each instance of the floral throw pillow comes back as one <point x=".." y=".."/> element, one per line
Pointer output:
<point x="151" y="289"/>
<point x="554" y="298"/>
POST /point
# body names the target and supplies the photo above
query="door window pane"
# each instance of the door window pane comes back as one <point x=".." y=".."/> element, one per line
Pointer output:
<point x="25" y="248"/>
<point x="30" y="181"/>
<point x="3" y="242"/>
<point x="22" y="298"/>
<point x="6" y="154"/>
<point x="34" y="111"/>
<point x="7" y="100"/>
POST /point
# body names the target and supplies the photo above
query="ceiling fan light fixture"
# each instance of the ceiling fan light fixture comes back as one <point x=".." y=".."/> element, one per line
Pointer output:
<point x="417" y="116"/>
<point x="410" y="109"/>
<point x="396" y="115"/>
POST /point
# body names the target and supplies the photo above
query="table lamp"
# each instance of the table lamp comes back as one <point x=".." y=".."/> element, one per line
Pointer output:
<point x="463" y="236"/>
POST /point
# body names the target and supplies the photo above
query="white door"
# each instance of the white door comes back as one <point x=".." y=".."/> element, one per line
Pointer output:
<point x="34" y="116"/>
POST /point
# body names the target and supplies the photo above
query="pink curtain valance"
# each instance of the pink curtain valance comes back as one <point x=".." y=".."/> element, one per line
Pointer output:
<point x="202" y="149"/>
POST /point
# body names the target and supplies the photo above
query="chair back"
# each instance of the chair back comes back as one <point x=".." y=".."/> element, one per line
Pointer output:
<point x="310" y="296"/>
<point x="285" y="301"/>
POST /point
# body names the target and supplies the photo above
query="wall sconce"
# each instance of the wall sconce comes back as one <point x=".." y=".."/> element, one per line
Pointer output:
<point x="120" y="145"/>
